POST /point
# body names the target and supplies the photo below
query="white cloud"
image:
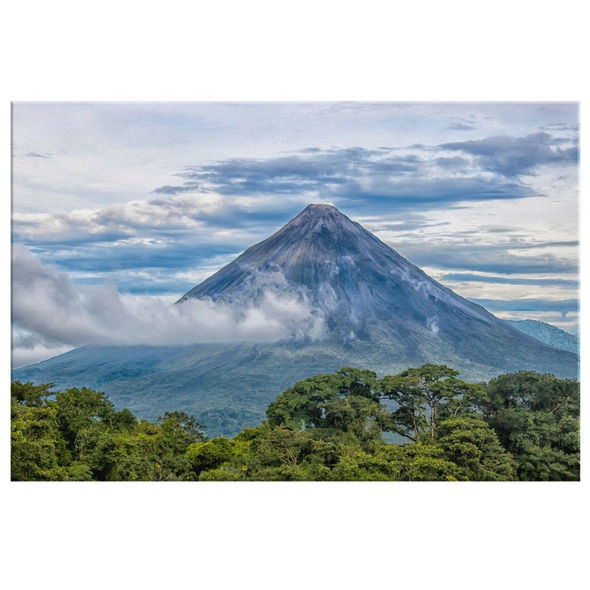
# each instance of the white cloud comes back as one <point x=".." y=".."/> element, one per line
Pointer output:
<point x="49" y="313"/>
<point x="124" y="220"/>
<point x="432" y="324"/>
<point x="28" y="349"/>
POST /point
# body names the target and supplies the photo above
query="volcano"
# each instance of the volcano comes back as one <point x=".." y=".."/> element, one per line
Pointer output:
<point x="368" y="292"/>
<point x="377" y="311"/>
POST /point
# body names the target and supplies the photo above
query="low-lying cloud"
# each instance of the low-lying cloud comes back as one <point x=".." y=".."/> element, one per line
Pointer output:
<point x="50" y="312"/>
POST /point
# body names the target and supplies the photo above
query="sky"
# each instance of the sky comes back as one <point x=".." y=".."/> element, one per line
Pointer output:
<point x="118" y="209"/>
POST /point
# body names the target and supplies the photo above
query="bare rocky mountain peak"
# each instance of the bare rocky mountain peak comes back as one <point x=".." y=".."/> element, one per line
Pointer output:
<point x="361" y="285"/>
<point x="318" y="208"/>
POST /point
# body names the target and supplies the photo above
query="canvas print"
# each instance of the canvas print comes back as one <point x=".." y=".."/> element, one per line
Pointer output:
<point x="328" y="291"/>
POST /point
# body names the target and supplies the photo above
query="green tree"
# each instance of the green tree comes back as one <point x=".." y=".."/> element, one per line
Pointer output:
<point x="30" y="395"/>
<point x="473" y="446"/>
<point x="79" y="435"/>
<point x="209" y="455"/>
<point x="38" y="450"/>
<point x="422" y="461"/>
<point x="425" y="395"/>
<point x="181" y="430"/>
<point x="290" y="455"/>
<point x="537" y="419"/>
<point x="347" y="400"/>
<point x="142" y="452"/>
<point x="81" y="410"/>
<point x="412" y="462"/>
<point x="34" y="453"/>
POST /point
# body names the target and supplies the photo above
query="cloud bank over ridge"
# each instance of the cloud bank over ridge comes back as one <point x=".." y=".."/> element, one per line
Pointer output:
<point x="51" y="313"/>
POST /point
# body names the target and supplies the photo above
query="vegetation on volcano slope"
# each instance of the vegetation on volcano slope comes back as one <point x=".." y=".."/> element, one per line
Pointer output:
<point x="548" y="334"/>
<point x="519" y="426"/>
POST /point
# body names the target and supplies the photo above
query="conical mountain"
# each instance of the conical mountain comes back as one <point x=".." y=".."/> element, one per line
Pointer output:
<point x="379" y="312"/>
<point x="368" y="292"/>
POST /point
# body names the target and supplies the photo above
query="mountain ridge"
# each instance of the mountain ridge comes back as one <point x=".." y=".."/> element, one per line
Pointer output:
<point x="548" y="333"/>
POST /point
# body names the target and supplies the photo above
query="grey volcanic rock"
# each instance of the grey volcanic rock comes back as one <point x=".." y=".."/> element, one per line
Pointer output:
<point x="367" y="291"/>
<point x="380" y="312"/>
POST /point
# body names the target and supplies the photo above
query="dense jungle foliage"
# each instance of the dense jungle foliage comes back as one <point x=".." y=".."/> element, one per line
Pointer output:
<point x="519" y="426"/>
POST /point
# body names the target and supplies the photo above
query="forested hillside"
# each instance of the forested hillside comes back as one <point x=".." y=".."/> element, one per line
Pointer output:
<point x="519" y="426"/>
<point x="548" y="334"/>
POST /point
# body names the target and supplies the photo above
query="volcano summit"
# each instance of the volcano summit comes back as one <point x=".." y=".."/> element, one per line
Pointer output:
<point x="374" y="310"/>
<point x="366" y="291"/>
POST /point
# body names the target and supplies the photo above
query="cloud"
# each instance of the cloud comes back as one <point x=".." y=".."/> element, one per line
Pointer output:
<point x="401" y="222"/>
<point x="173" y="190"/>
<point x="432" y="324"/>
<point x="486" y="258"/>
<point x="165" y="236"/>
<point x="510" y="281"/>
<point x="35" y="155"/>
<point x="29" y="348"/>
<point x="279" y="175"/>
<point x="49" y="311"/>
<point x="564" y="306"/>
<point x="356" y="176"/>
<point x="460" y="127"/>
<point x="116" y="222"/>
<point x="515" y="156"/>
<point x="427" y="193"/>
<point x="454" y="163"/>
<point x="560" y="127"/>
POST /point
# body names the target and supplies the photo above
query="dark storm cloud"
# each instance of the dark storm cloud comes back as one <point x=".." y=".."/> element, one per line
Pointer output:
<point x="515" y="156"/>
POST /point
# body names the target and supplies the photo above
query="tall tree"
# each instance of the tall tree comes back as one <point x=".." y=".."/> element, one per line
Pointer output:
<point x="425" y="394"/>
<point x="347" y="400"/>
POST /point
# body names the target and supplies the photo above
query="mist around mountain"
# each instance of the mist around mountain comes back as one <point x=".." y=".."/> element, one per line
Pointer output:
<point x="371" y="309"/>
<point x="548" y="334"/>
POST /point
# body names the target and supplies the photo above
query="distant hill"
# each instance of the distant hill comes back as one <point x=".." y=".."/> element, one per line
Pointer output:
<point x="548" y="334"/>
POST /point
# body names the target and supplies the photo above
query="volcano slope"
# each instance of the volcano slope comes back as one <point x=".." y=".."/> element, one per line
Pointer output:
<point x="374" y="310"/>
